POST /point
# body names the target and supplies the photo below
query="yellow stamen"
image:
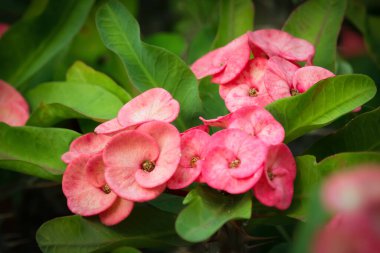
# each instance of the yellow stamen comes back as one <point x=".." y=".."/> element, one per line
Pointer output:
<point x="147" y="166"/>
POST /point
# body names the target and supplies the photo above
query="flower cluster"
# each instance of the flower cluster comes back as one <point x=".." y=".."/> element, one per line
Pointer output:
<point x="137" y="155"/>
<point x="272" y="73"/>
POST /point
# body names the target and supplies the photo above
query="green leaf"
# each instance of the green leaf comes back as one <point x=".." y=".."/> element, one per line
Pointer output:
<point x="81" y="73"/>
<point x="34" y="151"/>
<point x="360" y="134"/>
<point x="126" y="250"/>
<point x="321" y="104"/>
<point x="168" y="203"/>
<point x="146" y="227"/>
<point x="319" y="22"/>
<point x="235" y="19"/>
<point x="149" y="66"/>
<point x="208" y="210"/>
<point x="30" y="44"/>
<point x="310" y="174"/>
<point x="56" y="101"/>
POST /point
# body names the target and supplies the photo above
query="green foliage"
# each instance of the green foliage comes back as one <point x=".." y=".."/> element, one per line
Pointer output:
<point x="319" y="22"/>
<point x="34" y="151"/>
<point x="81" y="73"/>
<point x="46" y="35"/>
<point x="56" y="101"/>
<point x="146" y="227"/>
<point x="235" y="19"/>
<point x="321" y="104"/>
<point x="360" y="134"/>
<point x="149" y="66"/>
<point x="208" y="210"/>
<point x="310" y="174"/>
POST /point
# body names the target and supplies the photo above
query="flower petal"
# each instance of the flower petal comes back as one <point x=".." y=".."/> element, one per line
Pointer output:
<point x="154" y="104"/>
<point x="306" y="77"/>
<point x="215" y="172"/>
<point x="279" y="77"/>
<point x="123" y="156"/>
<point x="169" y="142"/>
<point x="90" y="143"/>
<point x="279" y="43"/>
<point x="95" y="171"/>
<point x="109" y="127"/>
<point x="119" y="210"/>
<point x="82" y="197"/>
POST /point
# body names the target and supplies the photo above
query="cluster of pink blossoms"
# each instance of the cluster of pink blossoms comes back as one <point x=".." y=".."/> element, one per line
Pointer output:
<point x="137" y="155"/>
<point x="272" y="73"/>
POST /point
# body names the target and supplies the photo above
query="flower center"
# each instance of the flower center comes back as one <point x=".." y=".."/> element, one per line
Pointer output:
<point x="234" y="164"/>
<point x="294" y="92"/>
<point x="270" y="175"/>
<point x="252" y="92"/>
<point x="106" y="189"/>
<point x="147" y="166"/>
<point x="193" y="161"/>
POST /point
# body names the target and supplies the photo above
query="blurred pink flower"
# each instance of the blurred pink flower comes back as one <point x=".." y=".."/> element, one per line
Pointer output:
<point x="3" y="28"/>
<point x="14" y="110"/>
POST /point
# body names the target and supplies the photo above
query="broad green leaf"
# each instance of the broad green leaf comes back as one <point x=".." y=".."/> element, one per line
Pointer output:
<point x="235" y="19"/>
<point x="30" y="44"/>
<point x="172" y="42"/>
<point x="149" y="66"/>
<point x="168" y="203"/>
<point x="360" y="134"/>
<point x="146" y="227"/>
<point x="321" y="104"/>
<point x="208" y="210"/>
<point x="310" y="174"/>
<point x="319" y="22"/>
<point x="34" y="151"/>
<point x="81" y="73"/>
<point x="126" y="250"/>
<point x="56" y="101"/>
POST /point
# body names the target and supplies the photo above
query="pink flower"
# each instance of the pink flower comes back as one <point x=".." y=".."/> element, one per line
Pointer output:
<point x="224" y="63"/>
<point x="284" y="79"/>
<point x="3" y="28"/>
<point x="275" y="187"/>
<point x="354" y="233"/>
<point x="88" y="144"/>
<point x="193" y="147"/>
<point x="154" y="104"/>
<point x="248" y="88"/>
<point x="350" y="191"/>
<point x="273" y="42"/>
<point x="14" y="110"/>
<point x="88" y="193"/>
<point x="233" y="161"/>
<point x="140" y="162"/>
<point x="255" y="121"/>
